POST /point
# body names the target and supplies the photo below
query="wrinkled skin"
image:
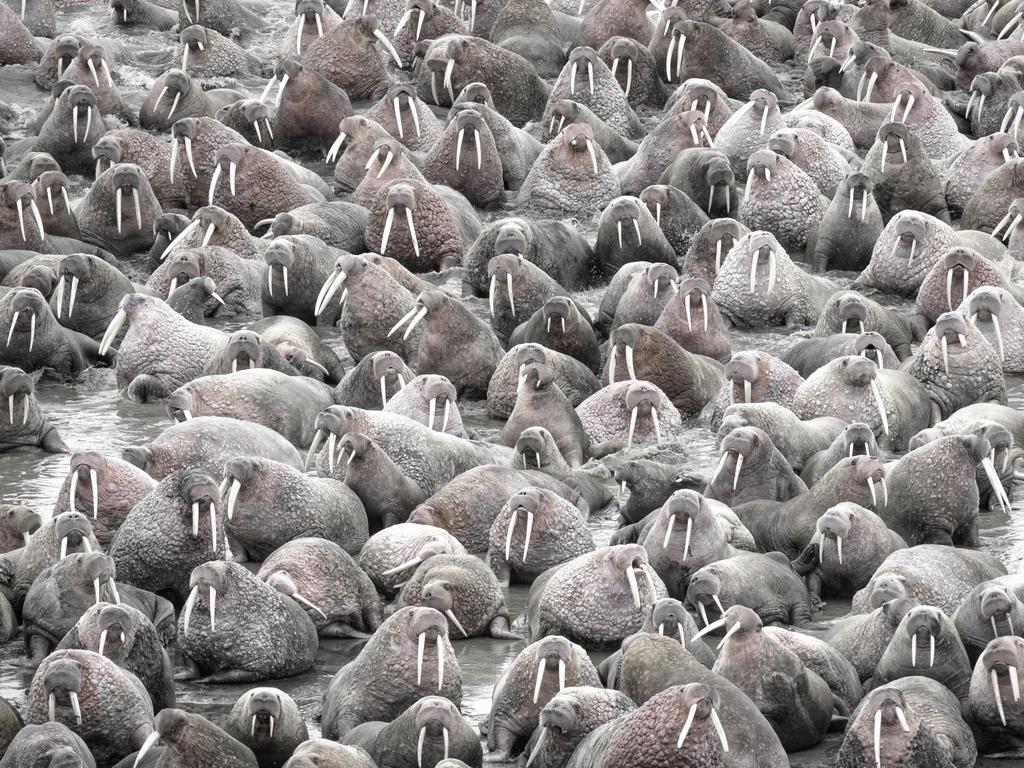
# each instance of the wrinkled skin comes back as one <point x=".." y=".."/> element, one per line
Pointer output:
<point x="914" y="184"/>
<point x="433" y="724"/>
<point x="986" y="612"/>
<point x="405" y="545"/>
<point x="323" y="574"/>
<point x="796" y="701"/>
<point x="653" y="664"/>
<point x="518" y="701"/>
<point x="249" y="723"/>
<point x="797" y="440"/>
<point x="116" y="712"/>
<point x="26" y="425"/>
<point x="773" y="178"/>
<point x="849" y="229"/>
<point x="558" y="533"/>
<point x="848" y="311"/>
<point x="572" y="377"/>
<point x="428" y="457"/>
<point x="588" y="599"/>
<point x="921" y="627"/>
<point x="161" y="350"/>
<point x="609" y="421"/>
<point x="155" y="547"/>
<point x="517" y="91"/>
<point x="918" y="511"/>
<point x="796" y="297"/>
<point x="909" y="246"/>
<point x="689" y="381"/>
<point x="129" y="640"/>
<point x="1001" y="656"/>
<point x="931" y="574"/>
<point x="918" y="747"/>
<point x="41" y="744"/>
<point x="790" y="525"/>
<point x="463" y="587"/>
<point x="63" y="534"/>
<point x="468" y="505"/>
<point x="62" y="592"/>
<point x="386" y="666"/>
<point x="846" y="387"/>
<point x="764" y="473"/>
<point x="284" y="643"/>
<point x="63" y="351"/>
<point x="187" y="737"/>
<point x="712" y="341"/>
<point x="769" y="380"/>
<point x="276" y="503"/>
<point x="563" y="178"/>
<point x="260" y="395"/>
<point x="605" y="99"/>
<point x="866" y="542"/>
<point x="540" y="401"/>
<point x="973" y="374"/>
<point x="206" y="442"/>
<point x="767" y="584"/>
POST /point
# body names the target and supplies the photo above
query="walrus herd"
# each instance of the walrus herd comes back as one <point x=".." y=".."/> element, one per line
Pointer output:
<point x="685" y="319"/>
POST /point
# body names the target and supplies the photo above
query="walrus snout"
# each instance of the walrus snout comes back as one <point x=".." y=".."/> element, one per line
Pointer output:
<point x="837" y="521"/>
<point x="179" y="405"/>
<point x="26" y="520"/>
<point x="996" y="602"/>
<point x="559" y="714"/>
<point x="783" y="142"/>
<point x="743" y="369"/>
<point x="859" y="438"/>
<point x="62" y="683"/>
<point x="511" y="238"/>
<point x="15" y="383"/>
<point x="1005" y="654"/>
<point x="264" y="705"/>
<point x="889" y="707"/>
<point x="97" y="567"/>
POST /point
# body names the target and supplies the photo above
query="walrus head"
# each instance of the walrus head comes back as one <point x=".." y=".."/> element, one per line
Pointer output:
<point x="72" y="531"/>
<point x="835" y="525"/>
<point x="17" y="196"/>
<point x="92" y="59"/>
<point x="743" y="372"/>
<point x="20" y="520"/>
<point x="1000" y="663"/>
<point x="118" y="626"/>
<point x="996" y="606"/>
<point x="283" y="582"/>
<point x="536" y="443"/>
<point x="16" y="390"/>
<point x="62" y="683"/>
<point x="264" y="710"/>
<point x="986" y="305"/>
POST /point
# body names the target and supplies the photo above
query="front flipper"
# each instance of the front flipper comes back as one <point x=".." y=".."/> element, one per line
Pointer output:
<point x="230" y="676"/>
<point x="500" y="629"/>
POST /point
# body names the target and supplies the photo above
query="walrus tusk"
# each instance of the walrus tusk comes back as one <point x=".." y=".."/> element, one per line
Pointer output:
<point x="138" y="208"/>
<point x="236" y="486"/>
<point x="994" y="677"/>
<point x="736" y="472"/>
<point x="318" y="439"/>
<point x="451" y="617"/>
<point x="332" y="153"/>
<point x="593" y="155"/>
<point x="415" y="245"/>
<point x="213" y="183"/>
<point x="871" y="86"/>
<point x="117" y="209"/>
<point x="448" y="69"/>
<point x="633" y="587"/>
<point x="189" y="606"/>
<point x="119" y="319"/>
<point x="629" y="362"/>
<point x="686" y="725"/>
<point x="213" y="608"/>
<point x="880" y="405"/>
<point x="304" y="601"/>
<point x="997" y="486"/>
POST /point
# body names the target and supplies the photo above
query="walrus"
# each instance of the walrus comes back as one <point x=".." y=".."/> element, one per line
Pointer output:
<point x="845" y="237"/>
<point x="645" y="353"/>
<point x="895" y="404"/>
<point x="790" y="297"/>
<point x="692" y="319"/>
<point x="932" y="574"/>
<point x="586" y="80"/>
<point x="754" y="377"/>
<point x="957" y="373"/>
<point x="848" y="307"/>
<point x="635" y="70"/>
<point x="768" y="476"/>
<point x="455" y="60"/>
<point x="750" y="656"/>
<point x="393" y="645"/>
<point x="772" y="177"/>
<point x="571" y="174"/>
<point x="104" y="704"/>
<point x="309" y="107"/>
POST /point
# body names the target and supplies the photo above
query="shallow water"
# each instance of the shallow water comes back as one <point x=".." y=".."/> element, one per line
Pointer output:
<point x="91" y="415"/>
